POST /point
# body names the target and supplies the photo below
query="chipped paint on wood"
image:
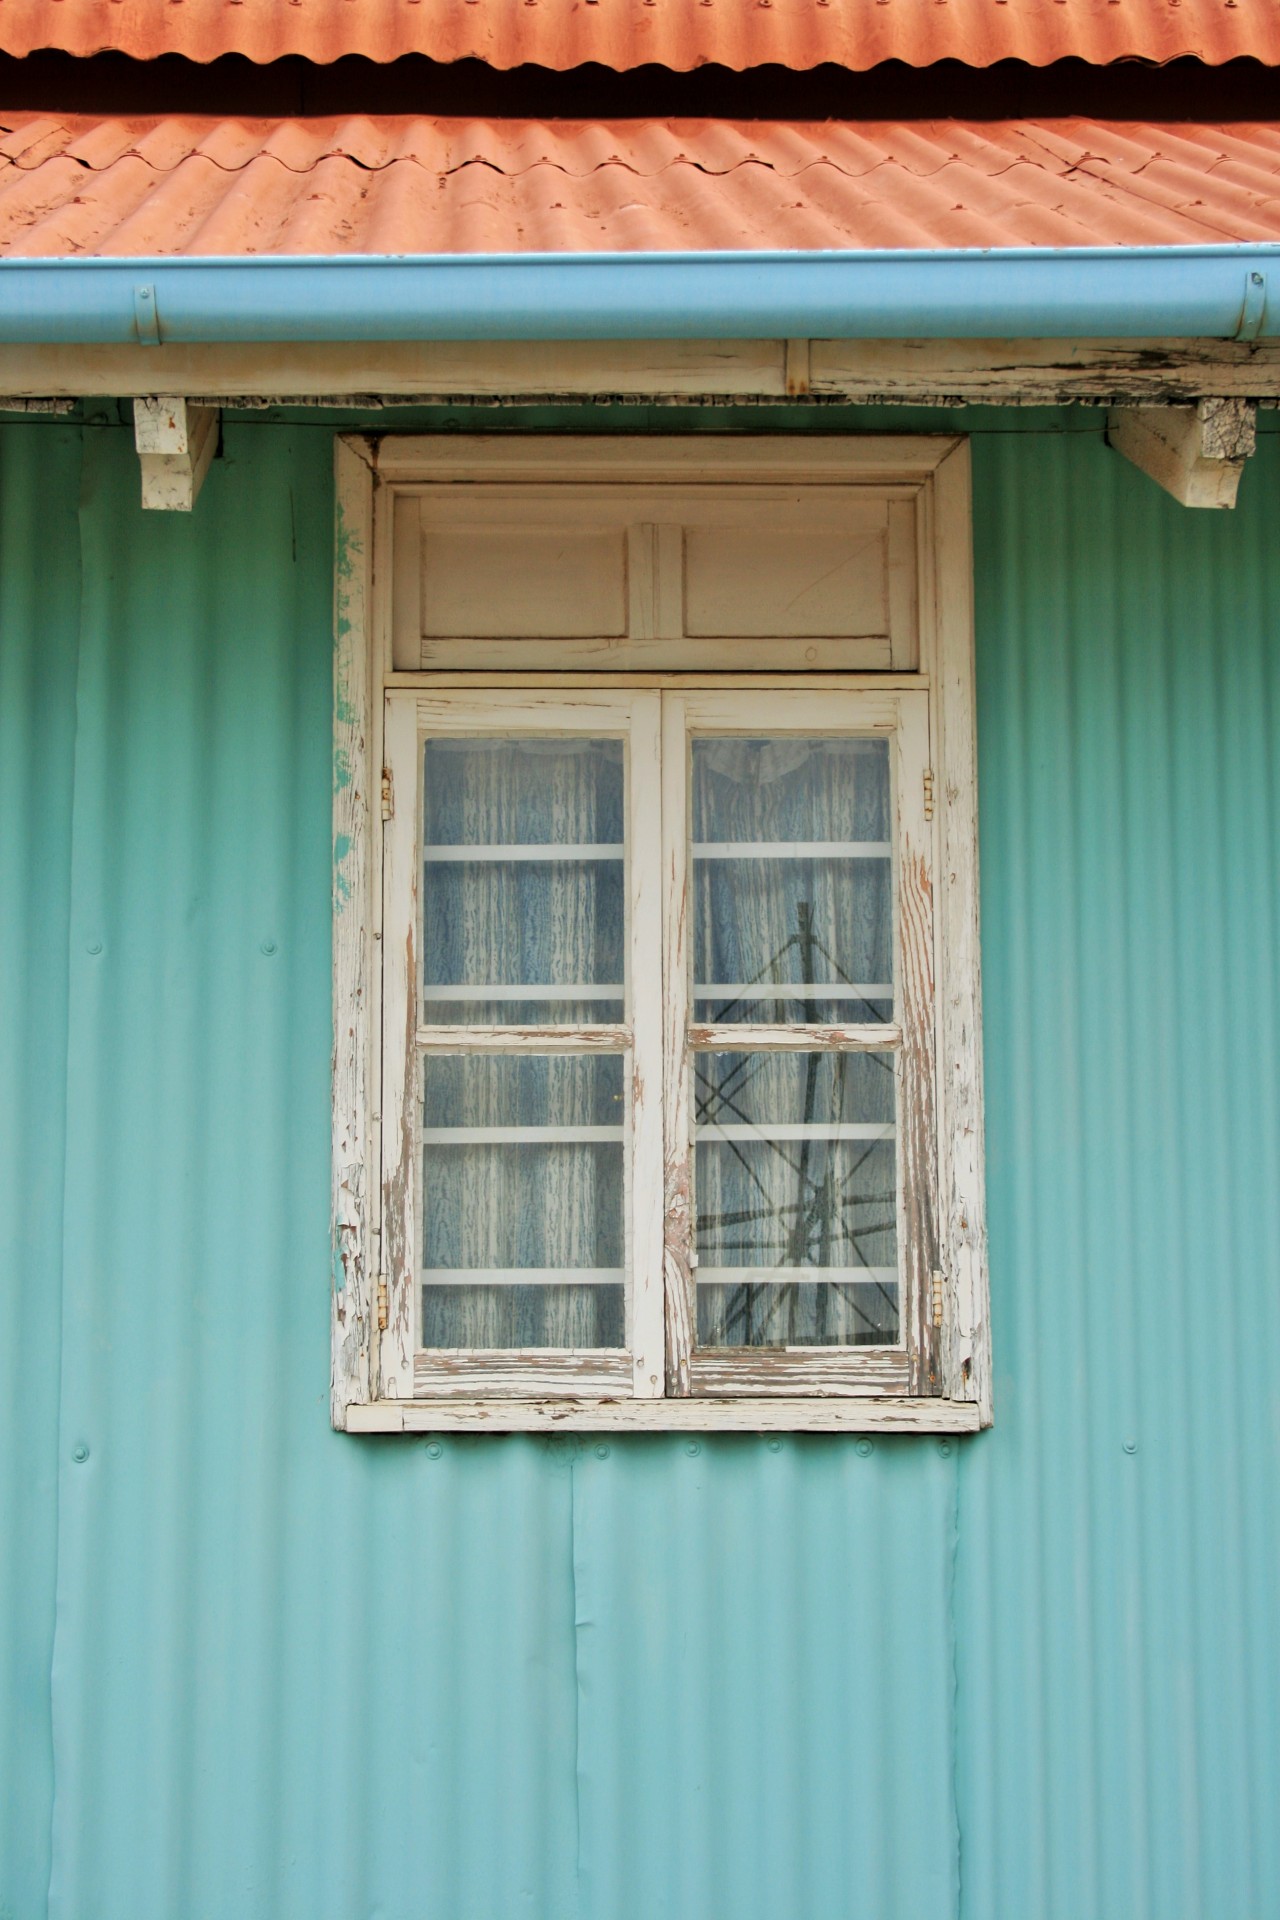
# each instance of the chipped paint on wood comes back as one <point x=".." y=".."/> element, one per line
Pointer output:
<point x="350" y="1225"/>
<point x="917" y="1117"/>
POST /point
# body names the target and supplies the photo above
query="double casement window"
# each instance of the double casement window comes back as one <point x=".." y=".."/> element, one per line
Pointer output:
<point x="648" y="1110"/>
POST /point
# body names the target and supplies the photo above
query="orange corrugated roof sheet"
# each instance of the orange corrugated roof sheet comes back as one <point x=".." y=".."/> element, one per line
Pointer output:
<point x="177" y="185"/>
<point x="680" y="34"/>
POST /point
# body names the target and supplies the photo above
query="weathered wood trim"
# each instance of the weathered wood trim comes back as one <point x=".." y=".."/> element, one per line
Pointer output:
<point x="352" y="1222"/>
<point x="907" y="372"/>
<point x="176" y="442"/>
<point x="644" y="905"/>
<point x="752" y="1372"/>
<point x="1196" y="453"/>
<point x="678" y="1292"/>
<point x="401" y="1090"/>
<point x="816" y="1415"/>
<point x="962" y="1189"/>
<point x="885" y="460"/>
<point x="796" y="1039"/>
<point x="501" y="1375"/>
<point x="916" y="1080"/>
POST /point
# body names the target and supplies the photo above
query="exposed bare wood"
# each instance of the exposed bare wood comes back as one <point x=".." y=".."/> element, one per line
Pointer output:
<point x="673" y="682"/>
<point x="401" y="1073"/>
<point x="677" y="1191"/>
<point x="962" y="1193"/>
<point x="527" y="1375"/>
<point x="1196" y="453"/>
<point x="516" y="1039"/>
<point x="810" y="1415"/>
<point x="1044" y="372"/>
<point x="176" y="441"/>
<point x="797" y="1039"/>
<point x="798" y="370"/>
<point x="352" y="943"/>
<point x="817" y="1370"/>
<point x="644" y="918"/>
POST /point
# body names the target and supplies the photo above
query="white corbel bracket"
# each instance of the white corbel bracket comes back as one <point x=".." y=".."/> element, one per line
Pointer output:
<point x="175" y="442"/>
<point x="1195" y="453"/>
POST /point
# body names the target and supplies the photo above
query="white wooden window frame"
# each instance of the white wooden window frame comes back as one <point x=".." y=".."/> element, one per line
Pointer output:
<point x="373" y="1360"/>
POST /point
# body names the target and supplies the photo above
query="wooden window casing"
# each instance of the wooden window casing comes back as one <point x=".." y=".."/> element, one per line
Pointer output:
<point x="660" y="591"/>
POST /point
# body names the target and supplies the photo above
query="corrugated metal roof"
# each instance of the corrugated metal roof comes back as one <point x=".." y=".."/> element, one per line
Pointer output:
<point x="680" y="34"/>
<point x="179" y="185"/>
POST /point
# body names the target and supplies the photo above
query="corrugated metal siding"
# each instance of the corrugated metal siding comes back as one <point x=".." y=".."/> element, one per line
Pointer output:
<point x="180" y="184"/>
<point x="681" y="34"/>
<point x="299" y="1675"/>
<point x="1119" y="1674"/>
<point x="39" y="631"/>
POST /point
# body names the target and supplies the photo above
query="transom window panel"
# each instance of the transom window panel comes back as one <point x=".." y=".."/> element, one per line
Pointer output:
<point x="657" y="1074"/>
<point x="667" y="578"/>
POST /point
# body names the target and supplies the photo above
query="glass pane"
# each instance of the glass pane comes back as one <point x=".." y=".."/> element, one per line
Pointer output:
<point x="522" y="887"/>
<point x="795" y="1181"/>
<point x="523" y="1190"/>
<point x="792" y="881"/>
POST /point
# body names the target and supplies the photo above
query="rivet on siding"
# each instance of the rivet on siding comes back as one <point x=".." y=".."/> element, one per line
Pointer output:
<point x="775" y="1446"/>
<point x="602" y="1453"/>
<point x="694" y="1446"/>
<point x="94" y="946"/>
<point x="866" y="1448"/>
<point x="434" y="1449"/>
<point x="268" y="947"/>
<point x="944" y="1448"/>
<point x="80" y="1452"/>
<point x="1130" y="1446"/>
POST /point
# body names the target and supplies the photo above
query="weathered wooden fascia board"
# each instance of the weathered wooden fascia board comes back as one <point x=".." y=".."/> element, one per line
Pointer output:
<point x="667" y="1416"/>
<point x="1043" y="372"/>
<point x="913" y="372"/>
<point x="1196" y="453"/>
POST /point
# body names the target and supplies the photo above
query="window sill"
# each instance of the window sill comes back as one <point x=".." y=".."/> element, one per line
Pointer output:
<point x="832" y="1415"/>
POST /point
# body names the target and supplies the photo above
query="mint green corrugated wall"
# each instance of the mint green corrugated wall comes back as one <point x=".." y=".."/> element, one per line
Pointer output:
<point x="293" y="1674"/>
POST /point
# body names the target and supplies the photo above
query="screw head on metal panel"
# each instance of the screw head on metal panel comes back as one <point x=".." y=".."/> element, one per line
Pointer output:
<point x="80" y="1452"/>
<point x="434" y="1449"/>
<point x="268" y="947"/>
<point x="693" y="1446"/>
<point x="944" y="1448"/>
<point x="775" y="1445"/>
<point x="1130" y="1446"/>
<point x="602" y="1452"/>
<point x="865" y="1448"/>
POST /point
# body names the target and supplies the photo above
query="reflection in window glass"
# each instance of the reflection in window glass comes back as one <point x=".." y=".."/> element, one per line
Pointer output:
<point x="795" y="1181"/>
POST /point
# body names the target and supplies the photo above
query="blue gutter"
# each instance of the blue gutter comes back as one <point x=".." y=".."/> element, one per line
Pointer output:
<point x="1078" y="292"/>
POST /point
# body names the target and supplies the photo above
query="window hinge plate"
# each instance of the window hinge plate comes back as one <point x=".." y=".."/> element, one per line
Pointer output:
<point x="928" y="793"/>
<point x="388" y="795"/>
<point x="383" y="1303"/>
<point x="937" y="1299"/>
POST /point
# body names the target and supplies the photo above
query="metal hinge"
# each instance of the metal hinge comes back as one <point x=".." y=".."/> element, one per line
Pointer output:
<point x="383" y="1306"/>
<point x="388" y="797"/>
<point x="928" y="793"/>
<point x="937" y="1299"/>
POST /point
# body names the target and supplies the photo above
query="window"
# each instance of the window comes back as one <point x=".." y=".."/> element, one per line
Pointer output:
<point x="657" y="1084"/>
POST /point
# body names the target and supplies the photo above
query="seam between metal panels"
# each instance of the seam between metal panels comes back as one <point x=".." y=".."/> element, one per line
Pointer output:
<point x="578" y="1624"/>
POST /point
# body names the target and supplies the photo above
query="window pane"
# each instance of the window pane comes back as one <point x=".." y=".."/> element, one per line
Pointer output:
<point x="523" y="1191"/>
<point x="792" y="880"/>
<point x="795" y="1181"/>
<point x="522" y="886"/>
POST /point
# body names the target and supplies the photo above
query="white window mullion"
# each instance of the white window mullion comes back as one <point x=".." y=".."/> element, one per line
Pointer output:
<point x="644" y="907"/>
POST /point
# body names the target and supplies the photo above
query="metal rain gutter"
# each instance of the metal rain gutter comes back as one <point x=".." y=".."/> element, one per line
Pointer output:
<point x="1078" y="292"/>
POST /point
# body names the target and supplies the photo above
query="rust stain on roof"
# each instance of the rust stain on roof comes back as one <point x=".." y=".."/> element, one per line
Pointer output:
<point x="679" y="34"/>
<point x="78" y="185"/>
